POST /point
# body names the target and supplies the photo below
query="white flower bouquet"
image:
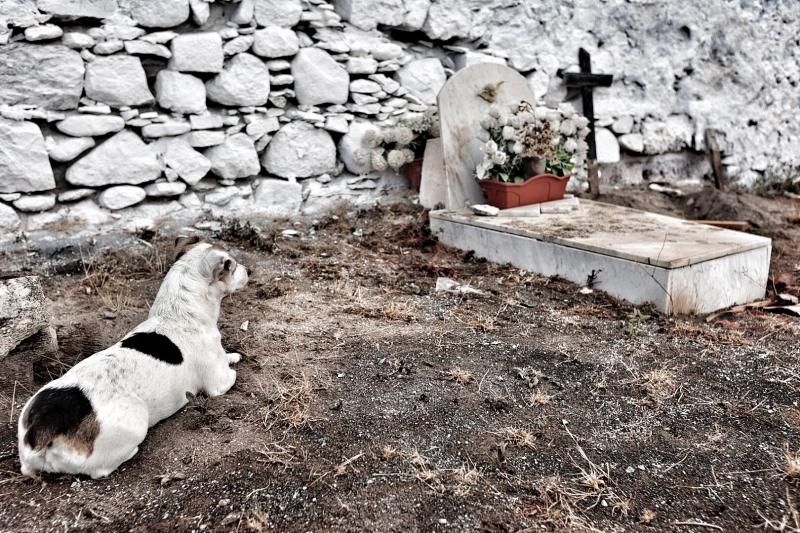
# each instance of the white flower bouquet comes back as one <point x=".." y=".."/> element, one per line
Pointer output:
<point x="524" y="141"/>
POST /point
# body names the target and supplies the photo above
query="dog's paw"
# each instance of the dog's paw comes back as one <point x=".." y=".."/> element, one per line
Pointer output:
<point x="227" y="381"/>
<point x="233" y="357"/>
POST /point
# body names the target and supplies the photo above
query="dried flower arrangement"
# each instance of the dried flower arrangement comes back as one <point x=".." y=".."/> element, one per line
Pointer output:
<point x="396" y="146"/>
<point x="523" y="141"/>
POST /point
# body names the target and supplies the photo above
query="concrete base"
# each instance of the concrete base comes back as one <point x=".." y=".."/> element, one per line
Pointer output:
<point x="680" y="267"/>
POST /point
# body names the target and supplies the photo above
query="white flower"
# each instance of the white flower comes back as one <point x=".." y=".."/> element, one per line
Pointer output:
<point x="527" y="117"/>
<point x="494" y="111"/>
<point x="483" y="136"/>
<point x="518" y="148"/>
<point x="503" y="120"/>
<point x="571" y="145"/>
<point x="567" y="127"/>
<point x="555" y="125"/>
<point x="583" y="132"/>
<point x="396" y="159"/>
<point x="583" y="146"/>
<point x="499" y="158"/>
<point x="509" y="133"/>
<point x="515" y="121"/>
<point x="566" y="109"/>
<point x="378" y="161"/>
<point x="361" y="157"/>
<point x="491" y="147"/>
<point x="404" y="135"/>
<point x="483" y="168"/>
<point x="389" y="135"/>
<point x="581" y="122"/>
<point x="487" y="123"/>
<point x="372" y="138"/>
<point x="408" y="155"/>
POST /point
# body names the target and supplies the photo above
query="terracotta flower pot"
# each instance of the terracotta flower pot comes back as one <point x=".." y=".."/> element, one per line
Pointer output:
<point x="413" y="172"/>
<point x="534" y="190"/>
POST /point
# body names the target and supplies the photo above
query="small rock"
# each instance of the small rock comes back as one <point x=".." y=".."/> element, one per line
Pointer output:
<point x="121" y="196"/>
<point x="284" y="13"/>
<point x="106" y="48"/>
<point x="73" y="195"/>
<point x="90" y="125"/>
<point x="182" y="93"/>
<point x="24" y="166"/>
<point x="244" y="81"/>
<point x="607" y="146"/>
<point x="235" y="158"/>
<point x="319" y="79"/>
<point x="423" y="78"/>
<point x="158" y="13"/>
<point x="63" y="148"/>
<point x="632" y="142"/>
<point x="485" y="210"/>
<point x="300" y="150"/>
<point x="162" y="189"/>
<point x="205" y="138"/>
<point x="117" y="81"/>
<point x="166" y="129"/>
<point x="132" y="160"/>
<point x="143" y="48"/>
<point x="205" y="122"/>
<point x="201" y="11"/>
<point x="191" y="165"/>
<point x="77" y="40"/>
<point x="9" y="219"/>
<point x="35" y="203"/>
<point x="238" y="45"/>
<point x="274" y="41"/>
<point x="364" y="86"/>
<point x="362" y="65"/>
<point x="197" y="52"/>
<point x="43" y="32"/>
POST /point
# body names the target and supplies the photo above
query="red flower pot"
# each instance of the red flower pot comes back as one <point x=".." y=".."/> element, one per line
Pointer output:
<point x="413" y="172"/>
<point x="534" y="190"/>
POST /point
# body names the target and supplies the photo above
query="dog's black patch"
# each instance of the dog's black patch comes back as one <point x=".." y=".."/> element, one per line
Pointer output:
<point x="56" y="411"/>
<point x="155" y="345"/>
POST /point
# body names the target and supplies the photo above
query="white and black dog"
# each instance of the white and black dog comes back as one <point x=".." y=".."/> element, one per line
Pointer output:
<point x="92" y="419"/>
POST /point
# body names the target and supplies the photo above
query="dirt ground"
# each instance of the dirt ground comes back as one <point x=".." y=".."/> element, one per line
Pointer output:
<point x="367" y="401"/>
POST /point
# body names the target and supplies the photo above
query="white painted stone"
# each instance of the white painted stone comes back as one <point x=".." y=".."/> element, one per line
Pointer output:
<point x="607" y="146"/>
<point x="460" y="111"/>
<point x="353" y="150"/>
<point x="623" y="124"/>
<point x="222" y="195"/>
<point x="205" y="122"/>
<point x="278" y="12"/>
<point x="117" y="81"/>
<point x="672" y="135"/>
<point x="243" y="82"/>
<point x="362" y="65"/>
<point x="383" y="51"/>
<point x="77" y="40"/>
<point x="238" y="45"/>
<point x="111" y="46"/>
<point x="367" y="14"/>
<point x="680" y="267"/>
<point x="190" y="200"/>
<point x="261" y="126"/>
<point x="337" y="124"/>
<point x="299" y="150"/>
<point x="319" y="79"/>
<point x="45" y="32"/>
<point x="166" y="129"/>
<point x="278" y="198"/>
<point x="9" y="220"/>
<point x="205" y="138"/>
<point x="63" y="148"/>
<point x="234" y="158"/>
<point x="159" y="37"/>
<point x="143" y="48"/>
<point x="275" y="41"/>
<point x="201" y="11"/>
<point x="124" y="158"/>
<point x="447" y="19"/>
<point x="197" y="52"/>
<point x="90" y="125"/>
<point x="540" y="83"/>
<point x="118" y="27"/>
<point x="24" y="166"/>
<point x="164" y="189"/>
<point x="244" y="12"/>
<point x="121" y="196"/>
<point x="56" y="82"/>
<point x="35" y="203"/>
<point x="73" y="195"/>
<point x="423" y="78"/>
<point x="433" y="185"/>
<point x="157" y="13"/>
<point x="364" y="86"/>
<point x="632" y="142"/>
<point x="182" y="93"/>
<point x="191" y="165"/>
<point x="79" y="8"/>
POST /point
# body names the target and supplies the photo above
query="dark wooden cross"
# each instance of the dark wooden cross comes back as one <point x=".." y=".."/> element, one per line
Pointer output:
<point x="584" y="82"/>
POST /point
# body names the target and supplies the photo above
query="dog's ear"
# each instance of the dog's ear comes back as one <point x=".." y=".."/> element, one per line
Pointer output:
<point x="218" y="265"/>
<point x="183" y="243"/>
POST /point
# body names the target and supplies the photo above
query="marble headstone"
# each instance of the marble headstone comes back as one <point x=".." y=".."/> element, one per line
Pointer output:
<point x="433" y="186"/>
<point x="460" y="110"/>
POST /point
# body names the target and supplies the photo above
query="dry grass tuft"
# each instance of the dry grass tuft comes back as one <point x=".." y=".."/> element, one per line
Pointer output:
<point x="290" y="401"/>
<point x="660" y="383"/>
<point x="387" y="452"/>
<point x="539" y="397"/>
<point x="483" y="323"/>
<point x="519" y="437"/>
<point x="459" y="375"/>
<point x="791" y="463"/>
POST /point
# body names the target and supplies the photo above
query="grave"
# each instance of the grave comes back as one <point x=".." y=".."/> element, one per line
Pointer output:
<point x="678" y="266"/>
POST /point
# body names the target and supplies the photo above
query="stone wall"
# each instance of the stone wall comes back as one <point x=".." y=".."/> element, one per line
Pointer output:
<point x="128" y="110"/>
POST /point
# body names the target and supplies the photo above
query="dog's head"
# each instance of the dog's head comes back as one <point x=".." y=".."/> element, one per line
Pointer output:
<point x="211" y="262"/>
